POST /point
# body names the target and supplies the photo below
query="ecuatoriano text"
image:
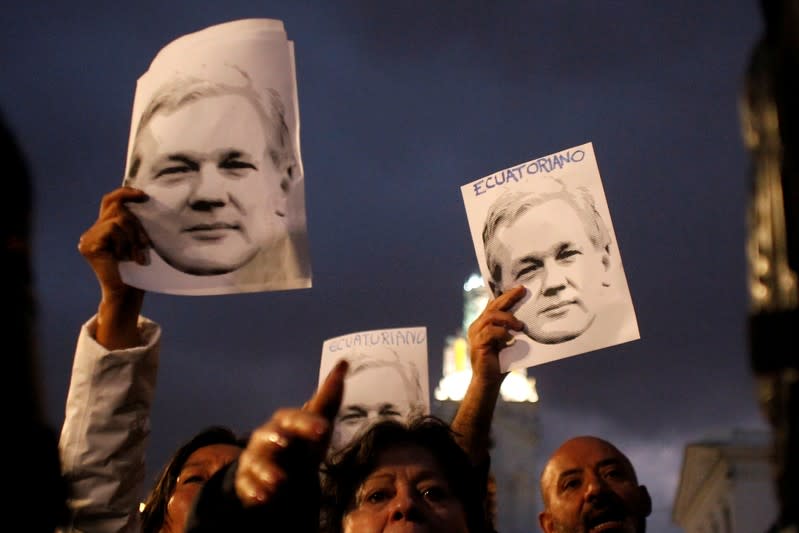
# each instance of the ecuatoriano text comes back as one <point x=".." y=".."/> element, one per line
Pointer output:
<point x="377" y="338"/>
<point x="519" y="172"/>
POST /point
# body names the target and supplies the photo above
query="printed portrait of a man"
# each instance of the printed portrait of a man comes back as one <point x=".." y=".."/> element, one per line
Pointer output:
<point x="545" y="225"/>
<point x="378" y="385"/>
<point x="387" y="378"/>
<point x="214" y="144"/>
<point x="553" y="241"/>
<point x="220" y="193"/>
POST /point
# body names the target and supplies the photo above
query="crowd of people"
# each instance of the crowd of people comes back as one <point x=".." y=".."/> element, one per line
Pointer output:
<point x="423" y="472"/>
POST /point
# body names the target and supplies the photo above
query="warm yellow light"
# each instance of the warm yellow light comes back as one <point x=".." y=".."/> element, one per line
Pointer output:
<point x="517" y="387"/>
<point x="461" y="355"/>
<point x="453" y="387"/>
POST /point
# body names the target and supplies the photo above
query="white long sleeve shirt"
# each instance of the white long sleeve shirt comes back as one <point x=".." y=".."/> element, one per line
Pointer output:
<point x="106" y="430"/>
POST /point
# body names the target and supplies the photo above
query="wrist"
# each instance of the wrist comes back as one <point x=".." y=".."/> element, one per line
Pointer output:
<point x="122" y="300"/>
<point x="118" y="319"/>
<point x="487" y="380"/>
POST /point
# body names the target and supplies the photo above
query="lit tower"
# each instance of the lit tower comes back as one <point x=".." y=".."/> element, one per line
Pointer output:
<point x="515" y="428"/>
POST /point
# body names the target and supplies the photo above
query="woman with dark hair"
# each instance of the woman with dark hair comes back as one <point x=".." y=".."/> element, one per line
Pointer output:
<point x="415" y="472"/>
<point x="168" y="503"/>
<point x="412" y="474"/>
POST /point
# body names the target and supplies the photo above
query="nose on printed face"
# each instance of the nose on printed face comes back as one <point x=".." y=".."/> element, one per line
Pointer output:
<point x="554" y="278"/>
<point x="210" y="188"/>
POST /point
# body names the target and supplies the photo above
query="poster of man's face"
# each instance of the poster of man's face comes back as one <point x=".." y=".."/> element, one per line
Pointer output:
<point x="545" y="224"/>
<point x="387" y="378"/>
<point x="214" y="143"/>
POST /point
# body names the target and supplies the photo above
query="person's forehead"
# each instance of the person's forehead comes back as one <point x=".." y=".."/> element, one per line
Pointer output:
<point x="212" y="453"/>
<point x="586" y="454"/>
<point x="407" y="456"/>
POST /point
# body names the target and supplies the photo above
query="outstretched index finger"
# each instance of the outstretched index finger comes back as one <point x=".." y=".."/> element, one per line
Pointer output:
<point x="327" y="400"/>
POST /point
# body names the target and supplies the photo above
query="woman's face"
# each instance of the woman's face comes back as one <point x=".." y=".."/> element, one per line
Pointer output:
<point x="199" y="467"/>
<point x="407" y="491"/>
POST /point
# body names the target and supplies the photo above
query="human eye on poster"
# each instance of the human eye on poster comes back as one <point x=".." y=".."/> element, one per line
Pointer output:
<point x="214" y="142"/>
<point x="387" y="378"/>
<point x="545" y="224"/>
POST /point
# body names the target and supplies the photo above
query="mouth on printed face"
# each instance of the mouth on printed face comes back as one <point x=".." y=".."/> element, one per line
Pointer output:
<point x="211" y="232"/>
<point x="558" y="309"/>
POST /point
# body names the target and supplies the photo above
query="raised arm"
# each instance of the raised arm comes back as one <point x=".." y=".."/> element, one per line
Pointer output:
<point x="116" y="235"/>
<point x="107" y="420"/>
<point x="487" y="336"/>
